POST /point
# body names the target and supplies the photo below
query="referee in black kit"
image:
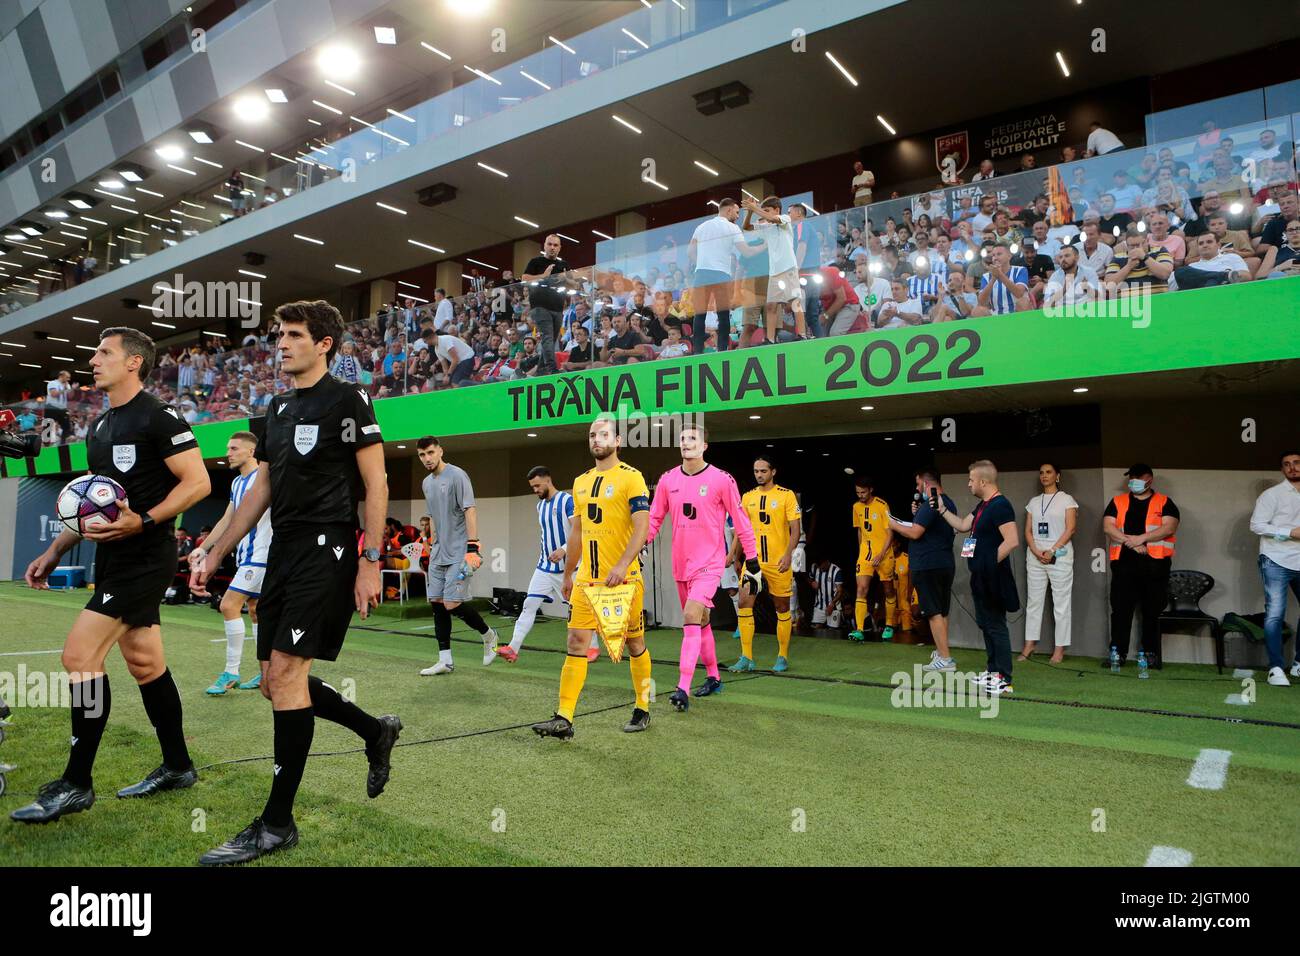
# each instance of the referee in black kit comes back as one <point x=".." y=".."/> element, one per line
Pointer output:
<point x="145" y="446"/>
<point x="323" y="453"/>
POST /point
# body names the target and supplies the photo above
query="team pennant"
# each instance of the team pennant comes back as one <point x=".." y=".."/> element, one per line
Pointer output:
<point x="613" y="614"/>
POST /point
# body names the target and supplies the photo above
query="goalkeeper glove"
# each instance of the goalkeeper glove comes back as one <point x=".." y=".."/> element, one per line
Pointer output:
<point x="752" y="577"/>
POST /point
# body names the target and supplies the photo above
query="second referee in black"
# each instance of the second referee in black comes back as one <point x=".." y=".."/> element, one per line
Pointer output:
<point x="324" y="452"/>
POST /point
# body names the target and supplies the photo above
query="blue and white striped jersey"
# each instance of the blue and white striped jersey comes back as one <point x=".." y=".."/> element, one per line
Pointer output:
<point x="553" y="516"/>
<point x="828" y="579"/>
<point x="1000" y="300"/>
<point x="930" y="285"/>
<point x="253" y="547"/>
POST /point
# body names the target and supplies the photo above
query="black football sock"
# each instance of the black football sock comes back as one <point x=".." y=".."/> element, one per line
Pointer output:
<point x="91" y="701"/>
<point x="293" y="733"/>
<point x="162" y="704"/>
<point x="471" y="617"/>
<point x="330" y="705"/>
<point x="442" y="626"/>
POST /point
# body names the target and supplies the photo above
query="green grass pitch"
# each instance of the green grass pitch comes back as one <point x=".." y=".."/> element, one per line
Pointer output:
<point x="778" y="770"/>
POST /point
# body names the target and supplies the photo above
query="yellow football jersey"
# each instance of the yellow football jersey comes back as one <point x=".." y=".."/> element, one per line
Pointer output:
<point x="872" y="519"/>
<point x="770" y="514"/>
<point x="606" y="500"/>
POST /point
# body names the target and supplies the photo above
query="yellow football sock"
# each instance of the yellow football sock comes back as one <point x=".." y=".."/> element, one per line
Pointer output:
<point x="572" y="677"/>
<point x="860" y="612"/>
<point x="746" y="619"/>
<point x="784" y="623"/>
<point x="891" y="609"/>
<point x="641" y="678"/>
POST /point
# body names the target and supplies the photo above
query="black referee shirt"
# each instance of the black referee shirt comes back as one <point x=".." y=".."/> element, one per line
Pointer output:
<point x="312" y="437"/>
<point x="543" y="295"/>
<point x="131" y="445"/>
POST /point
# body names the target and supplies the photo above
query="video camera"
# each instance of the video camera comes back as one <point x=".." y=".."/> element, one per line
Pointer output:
<point x="23" y="445"/>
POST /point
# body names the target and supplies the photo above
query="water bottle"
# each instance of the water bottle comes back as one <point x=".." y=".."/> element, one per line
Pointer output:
<point x="465" y="571"/>
<point x="1114" y="660"/>
<point x="1143" y="672"/>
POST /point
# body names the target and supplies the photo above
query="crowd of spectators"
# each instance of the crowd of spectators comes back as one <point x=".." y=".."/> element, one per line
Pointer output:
<point x="1222" y="213"/>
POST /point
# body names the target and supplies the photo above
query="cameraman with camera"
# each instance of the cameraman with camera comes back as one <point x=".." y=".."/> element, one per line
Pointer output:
<point x="932" y="564"/>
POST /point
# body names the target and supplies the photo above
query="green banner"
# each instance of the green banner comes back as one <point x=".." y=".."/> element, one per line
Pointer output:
<point x="1226" y="325"/>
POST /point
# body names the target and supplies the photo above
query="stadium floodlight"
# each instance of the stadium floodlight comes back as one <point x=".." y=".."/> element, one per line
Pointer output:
<point x="885" y="123"/>
<point x="170" y="153"/>
<point x="338" y="62"/>
<point x="386" y="35"/>
<point x="434" y="49"/>
<point x="1061" y="62"/>
<point x="276" y="95"/>
<point x="250" y="109"/>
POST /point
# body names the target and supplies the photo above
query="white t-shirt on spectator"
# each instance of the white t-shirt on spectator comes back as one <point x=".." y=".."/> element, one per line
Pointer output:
<point x="980" y="223"/>
<point x="453" y="350"/>
<point x="872" y="292"/>
<point x="1223" y="262"/>
<point x="715" y="244"/>
<point x="1080" y="287"/>
<point x="1049" y="510"/>
<point x="56" y="394"/>
<point x="1102" y="140"/>
<point x="419" y="345"/>
<point x="779" y="237"/>
<point x="444" y="316"/>
<point x="861" y="187"/>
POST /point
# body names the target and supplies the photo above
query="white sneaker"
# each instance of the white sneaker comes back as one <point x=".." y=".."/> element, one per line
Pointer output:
<point x="996" y="685"/>
<point x="981" y="678"/>
<point x="938" y="663"/>
<point x="436" y="669"/>
<point x="1277" y="677"/>
<point x="490" y="640"/>
<point x="1295" y="669"/>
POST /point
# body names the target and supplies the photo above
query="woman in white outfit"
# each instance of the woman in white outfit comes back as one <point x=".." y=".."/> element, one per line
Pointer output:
<point x="1050" y="520"/>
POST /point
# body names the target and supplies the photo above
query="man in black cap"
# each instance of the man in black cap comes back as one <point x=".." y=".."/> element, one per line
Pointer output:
<point x="1140" y="526"/>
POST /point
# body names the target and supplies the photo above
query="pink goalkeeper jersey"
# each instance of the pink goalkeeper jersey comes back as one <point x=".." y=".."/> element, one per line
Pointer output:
<point x="700" y="504"/>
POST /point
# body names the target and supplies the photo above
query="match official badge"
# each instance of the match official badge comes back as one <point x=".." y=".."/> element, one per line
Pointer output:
<point x="304" y="437"/>
<point x="123" y="457"/>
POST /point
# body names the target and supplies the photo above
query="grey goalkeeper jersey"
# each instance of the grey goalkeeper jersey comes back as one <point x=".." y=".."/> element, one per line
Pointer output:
<point x="447" y="495"/>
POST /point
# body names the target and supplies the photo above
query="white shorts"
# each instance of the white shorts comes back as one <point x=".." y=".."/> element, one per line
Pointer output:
<point x="547" y="585"/>
<point x="248" y="579"/>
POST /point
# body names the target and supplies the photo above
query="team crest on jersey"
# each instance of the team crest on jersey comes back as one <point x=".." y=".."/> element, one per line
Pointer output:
<point x="704" y="490"/>
<point x="304" y="437"/>
<point x="609" y="491"/>
<point x="123" y="457"/>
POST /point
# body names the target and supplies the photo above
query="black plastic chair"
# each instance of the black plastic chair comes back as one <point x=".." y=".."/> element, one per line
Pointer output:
<point x="1186" y="588"/>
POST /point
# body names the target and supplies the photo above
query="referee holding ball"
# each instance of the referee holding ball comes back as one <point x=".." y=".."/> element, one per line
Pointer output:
<point x="323" y="452"/>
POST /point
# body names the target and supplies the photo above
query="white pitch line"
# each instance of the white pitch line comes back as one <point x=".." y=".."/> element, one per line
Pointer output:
<point x="1210" y="770"/>
<point x="1237" y="700"/>
<point x="1168" y="856"/>
<point x="58" y="650"/>
<point x="222" y="640"/>
<point x="1241" y="672"/>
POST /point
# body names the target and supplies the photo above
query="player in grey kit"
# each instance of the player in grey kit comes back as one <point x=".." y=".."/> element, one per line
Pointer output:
<point x="454" y="555"/>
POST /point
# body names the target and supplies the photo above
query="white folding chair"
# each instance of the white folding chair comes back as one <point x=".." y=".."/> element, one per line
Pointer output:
<point x="412" y="552"/>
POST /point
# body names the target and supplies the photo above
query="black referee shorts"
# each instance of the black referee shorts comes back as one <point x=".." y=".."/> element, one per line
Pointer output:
<point x="132" y="578"/>
<point x="307" y="597"/>
<point x="933" y="590"/>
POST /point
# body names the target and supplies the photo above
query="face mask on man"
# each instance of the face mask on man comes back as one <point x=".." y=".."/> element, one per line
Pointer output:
<point x="1137" y="485"/>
